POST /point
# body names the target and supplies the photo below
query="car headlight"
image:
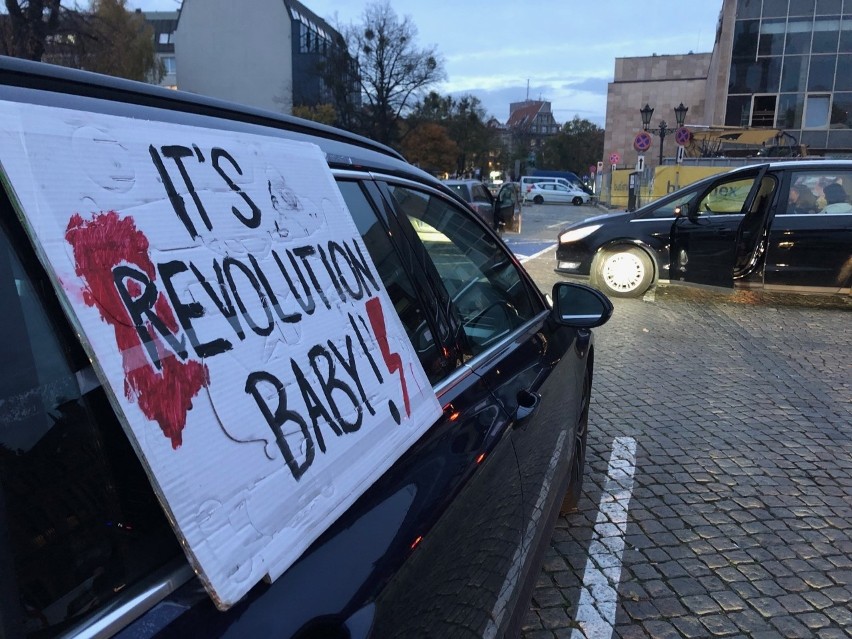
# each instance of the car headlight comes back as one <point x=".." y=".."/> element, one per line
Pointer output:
<point x="577" y="234"/>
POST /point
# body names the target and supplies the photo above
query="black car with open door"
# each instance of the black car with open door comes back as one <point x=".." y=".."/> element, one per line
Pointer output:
<point x="782" y="226"/>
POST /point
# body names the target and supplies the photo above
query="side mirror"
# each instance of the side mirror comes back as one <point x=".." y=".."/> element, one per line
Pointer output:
<point x="580" y="306"/>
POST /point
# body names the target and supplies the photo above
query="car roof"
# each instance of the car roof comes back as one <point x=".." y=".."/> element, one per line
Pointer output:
<point x="19" y="78"/>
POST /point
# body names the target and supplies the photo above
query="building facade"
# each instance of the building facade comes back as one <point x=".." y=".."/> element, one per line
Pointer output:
<point x="788" y="65"/>
<point x="781" y="67"/>
<point x="662" y="82"/>
<point x="266" y="53"/>
<point x="164" y="24"/>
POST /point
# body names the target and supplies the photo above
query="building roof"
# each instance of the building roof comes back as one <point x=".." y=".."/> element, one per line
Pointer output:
<point x="523" y="115"/>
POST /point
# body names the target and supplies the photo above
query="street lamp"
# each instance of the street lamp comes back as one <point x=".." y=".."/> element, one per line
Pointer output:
<point x="646" y="112"/>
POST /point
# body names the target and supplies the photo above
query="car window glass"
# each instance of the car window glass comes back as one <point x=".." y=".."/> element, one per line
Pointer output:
<point x="480" y="194"/>
<point x="819" y="192"/>
<point x="726" y="197"/>
<point x="84" y="523"/>
<point x="399" y="286"/>
<point x="489" y="293"/>
<point x="667" y="209"/>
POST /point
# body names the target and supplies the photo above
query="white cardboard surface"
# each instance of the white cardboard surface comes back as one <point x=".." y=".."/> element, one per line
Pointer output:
<point x="221" y="366"/>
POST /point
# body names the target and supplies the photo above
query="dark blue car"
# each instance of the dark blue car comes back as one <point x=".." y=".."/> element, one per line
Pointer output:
<point x="447" y="541"/>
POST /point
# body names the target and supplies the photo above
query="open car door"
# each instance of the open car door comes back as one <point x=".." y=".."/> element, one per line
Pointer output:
<point x="716" y="238"/>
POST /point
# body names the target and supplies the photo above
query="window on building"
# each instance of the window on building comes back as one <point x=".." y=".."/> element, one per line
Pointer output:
<point x="166" y="37"/>
<point x="774" y="8"/>
<point x="169" y="64"/>
<point x="843" y="81"/>
<point x="802" y="8"/>
<point x="748" y="9"/>
<point x="737" y="113"/>
<point x="829" y="7"/>
<point x="794" y="74"/>
<point x="799" y="32"/>
<point x="841" y="111"/>
<point x="746" y="34"/>
<point x="826" y="33"/>
<point x="763" y="110"/>
<point x="790" y="109"/>
<point x="821" y="75"/>
<point x="771" y="37"/>
<point x="817" y="111"/>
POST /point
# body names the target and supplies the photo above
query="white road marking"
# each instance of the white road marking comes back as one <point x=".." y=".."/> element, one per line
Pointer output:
<point x="558" y="224"/>
<point x="599" y="594"/>
<point x="520" y="556"/>
<point x="527" y="258"/>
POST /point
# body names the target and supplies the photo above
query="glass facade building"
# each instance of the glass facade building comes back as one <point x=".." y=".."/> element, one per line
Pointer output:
<point x="791" y="69"/>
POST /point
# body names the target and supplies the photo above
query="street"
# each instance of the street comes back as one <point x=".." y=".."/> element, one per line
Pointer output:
<point x="718" y="487"/>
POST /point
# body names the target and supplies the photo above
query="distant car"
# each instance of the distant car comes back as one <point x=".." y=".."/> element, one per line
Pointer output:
<point x="554" y="192"/>
<point x="479" y="198"/>
<point x="785" y="226"/>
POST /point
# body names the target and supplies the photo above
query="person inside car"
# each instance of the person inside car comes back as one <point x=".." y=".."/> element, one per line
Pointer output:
<point x="836" y="199"/>
<point x="802" y="200"/>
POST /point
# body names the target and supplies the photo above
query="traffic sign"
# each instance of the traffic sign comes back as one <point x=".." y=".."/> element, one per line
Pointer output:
<point x="640" y="163"/>
<point x="680" y="154"/>
<point x="614" y="158"/>
<point x="642" y="141"/>
<point x="683" y="136"/>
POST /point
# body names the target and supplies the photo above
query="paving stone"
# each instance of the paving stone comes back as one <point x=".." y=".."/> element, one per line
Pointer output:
<point x="736" y="520"/>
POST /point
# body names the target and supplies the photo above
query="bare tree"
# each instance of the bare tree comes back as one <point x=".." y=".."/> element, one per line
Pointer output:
<point x="392" y="70"/>
<point x="30" y="24"/>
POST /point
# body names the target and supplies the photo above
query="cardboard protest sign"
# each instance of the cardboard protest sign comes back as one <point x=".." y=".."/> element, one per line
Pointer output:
<point x="234" y="317"/>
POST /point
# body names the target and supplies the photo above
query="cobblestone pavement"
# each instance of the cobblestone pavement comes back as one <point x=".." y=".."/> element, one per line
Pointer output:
<point x="740" y="519"/>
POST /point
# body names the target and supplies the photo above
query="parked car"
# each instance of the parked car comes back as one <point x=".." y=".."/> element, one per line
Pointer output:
<point x="555" y="193"/>
<point x="497" y="210"/>
<point x="783" y="226"/>
<point x="446" y="538"/>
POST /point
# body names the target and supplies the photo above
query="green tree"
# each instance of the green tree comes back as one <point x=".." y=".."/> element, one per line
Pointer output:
<point x="392" y="71"/>
<point x="576" y="147"/>
<point x="466" y="123"/>
<point x="120" y="43"/>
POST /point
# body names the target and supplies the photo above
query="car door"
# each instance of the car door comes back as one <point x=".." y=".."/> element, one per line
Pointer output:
<point x="534" y="370"/>
<point x="808" y="250"/>
<point x="718" y="236"/>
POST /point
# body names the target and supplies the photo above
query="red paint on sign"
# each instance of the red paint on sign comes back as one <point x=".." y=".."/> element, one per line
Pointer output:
<point x="392" y="360"/>
<point x="165" y="395"/>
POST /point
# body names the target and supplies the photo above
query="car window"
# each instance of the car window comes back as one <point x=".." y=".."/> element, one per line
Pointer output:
<point x="489" y="293"/>
<point x="822" y="191"/>
<point x="480" y="194"/>
<point x="84" y="523"/>
<point x="667" y="208"/>
<point x="462" y="190"/>
<point x="726" y="197"/>
<point x="399" y="286"/>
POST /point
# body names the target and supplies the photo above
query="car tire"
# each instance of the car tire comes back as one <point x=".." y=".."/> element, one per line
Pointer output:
<point x="538" y="200"/>
<point x="577" y="201"/>
<point x="578" y="454"/>
<point x="623" y="272"/>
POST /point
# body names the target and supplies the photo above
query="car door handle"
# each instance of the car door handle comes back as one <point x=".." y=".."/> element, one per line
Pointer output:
<point x="528" y="403"/>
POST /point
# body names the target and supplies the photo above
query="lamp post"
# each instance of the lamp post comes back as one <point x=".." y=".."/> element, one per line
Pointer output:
<point x="646" y="112"/>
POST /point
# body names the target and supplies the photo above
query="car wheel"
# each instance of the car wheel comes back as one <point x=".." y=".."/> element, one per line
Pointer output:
<point x="578" y="459"/>
<point x="624" y="272"/>
<point x="538" y="199"/>
<point x="577" y="201"/>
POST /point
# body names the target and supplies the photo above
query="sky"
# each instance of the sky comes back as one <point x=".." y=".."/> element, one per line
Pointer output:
<point x="562" y="51"/>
